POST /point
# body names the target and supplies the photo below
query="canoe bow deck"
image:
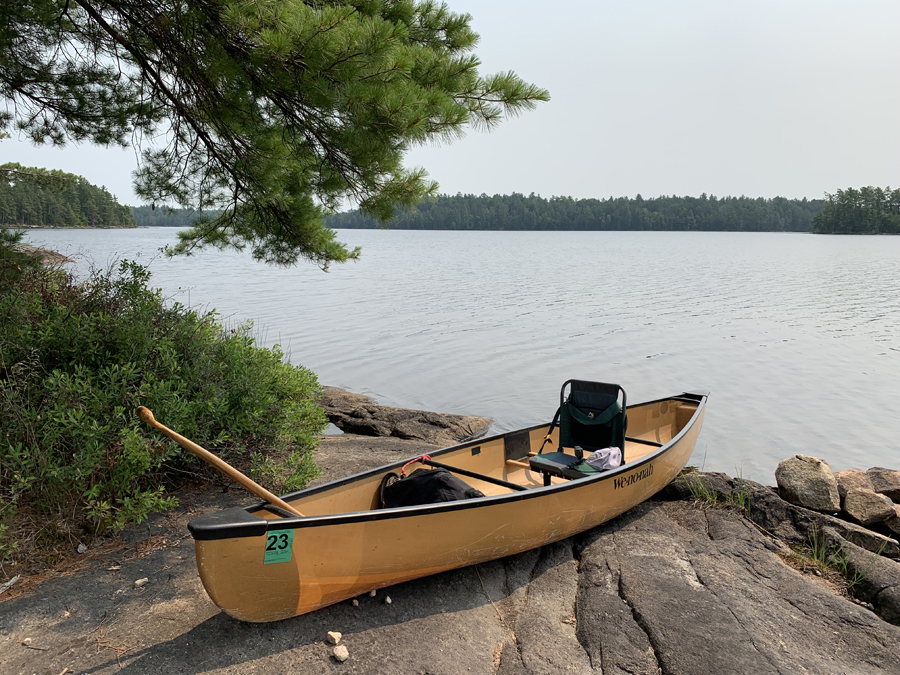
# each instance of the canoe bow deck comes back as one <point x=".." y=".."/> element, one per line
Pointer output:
<point x="259" y="565"/>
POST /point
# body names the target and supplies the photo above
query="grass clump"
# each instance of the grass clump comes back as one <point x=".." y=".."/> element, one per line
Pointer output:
<point x="76" y="358"/>
<point x="739" y="499"/>
<point x="699" y="491"/>
<point x="823" y="560"/>
<point x="830" y="561"/>
<point x="824" y="554"/>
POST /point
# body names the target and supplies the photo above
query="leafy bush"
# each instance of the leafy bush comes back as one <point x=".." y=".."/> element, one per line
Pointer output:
<point x="75" y="361"/>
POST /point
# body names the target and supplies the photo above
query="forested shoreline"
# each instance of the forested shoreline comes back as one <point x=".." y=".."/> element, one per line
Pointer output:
<point x="163" y="216"/>
<point x="533" y="212"/>
<point x="869" y="210"/>
<point x="35" y="197"/>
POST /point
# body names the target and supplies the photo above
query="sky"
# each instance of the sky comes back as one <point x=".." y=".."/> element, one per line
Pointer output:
<point x="792" y="98"/>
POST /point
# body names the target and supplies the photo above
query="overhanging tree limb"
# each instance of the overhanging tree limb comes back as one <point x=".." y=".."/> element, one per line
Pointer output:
<point x="274" y="111"/>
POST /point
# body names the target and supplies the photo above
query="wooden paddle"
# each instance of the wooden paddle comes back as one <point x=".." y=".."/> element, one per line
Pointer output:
<point x="224" y="467"/>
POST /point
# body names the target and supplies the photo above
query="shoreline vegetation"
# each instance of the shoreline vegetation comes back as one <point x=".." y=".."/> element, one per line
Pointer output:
<point x="869" y="210"/>
<point x="33" y="197"/>
<point x="533" y="212"/>
<point x="78" y="356"/>
<point x="163" y="216"/>
<point x="13" y="227"/>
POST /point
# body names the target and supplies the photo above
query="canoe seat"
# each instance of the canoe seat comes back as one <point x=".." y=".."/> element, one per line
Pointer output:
<point x="560" y="464"/>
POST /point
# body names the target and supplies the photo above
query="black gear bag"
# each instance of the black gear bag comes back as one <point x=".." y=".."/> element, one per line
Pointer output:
<point x="424" y="486"/>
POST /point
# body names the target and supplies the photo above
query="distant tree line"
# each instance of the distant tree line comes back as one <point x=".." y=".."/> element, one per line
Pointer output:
<point x="869" y="210"/>
<point x="34" y="197"/>
<point x="162" y="216"/>
<point x="533" y="212"/>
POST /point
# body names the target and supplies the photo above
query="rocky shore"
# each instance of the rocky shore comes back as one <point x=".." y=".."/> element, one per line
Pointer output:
<point x="687" y="583"/>
<point x="47" y="256"/>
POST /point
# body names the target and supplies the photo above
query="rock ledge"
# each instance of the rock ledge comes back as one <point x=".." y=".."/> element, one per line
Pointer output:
<point x="359" y="414"/>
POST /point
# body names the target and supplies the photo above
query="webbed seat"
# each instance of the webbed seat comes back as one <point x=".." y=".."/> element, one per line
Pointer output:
<point x="589" y="418"/>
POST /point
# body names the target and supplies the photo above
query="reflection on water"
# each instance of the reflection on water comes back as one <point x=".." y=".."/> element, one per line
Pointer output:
<point x="794" y="335"/>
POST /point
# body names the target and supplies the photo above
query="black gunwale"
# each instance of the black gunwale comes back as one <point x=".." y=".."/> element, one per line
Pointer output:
<point x="216" y="530"/>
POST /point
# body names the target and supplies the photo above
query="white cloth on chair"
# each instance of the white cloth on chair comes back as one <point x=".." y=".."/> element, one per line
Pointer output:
<point x="605" y="459"/>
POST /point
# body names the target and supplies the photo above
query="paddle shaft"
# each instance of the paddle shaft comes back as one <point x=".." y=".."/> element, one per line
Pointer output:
<point x="224" y="467"/>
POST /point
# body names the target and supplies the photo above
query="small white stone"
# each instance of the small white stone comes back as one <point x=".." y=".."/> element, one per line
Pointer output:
<point x="141" y="582"/>
<point x="334" y="637"/>
<point x="26" y="641"/>
<point x="387" y="600"/>
<point x="340" y="653"/>
<point x="82" y="548"/>
<point x="372" y="593"/>
<point x="354" y="602"/>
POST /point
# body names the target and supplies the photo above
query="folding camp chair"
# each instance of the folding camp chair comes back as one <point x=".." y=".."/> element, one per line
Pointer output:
<point x="590" y="418"/>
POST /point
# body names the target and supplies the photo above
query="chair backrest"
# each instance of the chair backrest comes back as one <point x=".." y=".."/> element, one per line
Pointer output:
<point x="591" y="416"/>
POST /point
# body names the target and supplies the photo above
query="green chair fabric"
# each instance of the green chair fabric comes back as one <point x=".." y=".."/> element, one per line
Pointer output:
<point x="590" y="418"/>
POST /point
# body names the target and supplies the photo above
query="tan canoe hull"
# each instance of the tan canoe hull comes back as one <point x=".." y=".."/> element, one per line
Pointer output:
<point x="336" y="557"/>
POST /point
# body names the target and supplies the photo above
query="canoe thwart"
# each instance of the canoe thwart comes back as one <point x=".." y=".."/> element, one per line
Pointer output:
<point x="655" y="444"/>
<point x="473" y="474"/>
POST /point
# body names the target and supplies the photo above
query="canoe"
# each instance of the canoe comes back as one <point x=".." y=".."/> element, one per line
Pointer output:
<point x="260" y="563"/>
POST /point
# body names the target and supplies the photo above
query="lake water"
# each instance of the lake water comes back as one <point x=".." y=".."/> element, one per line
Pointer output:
<point x="795" y="335"/>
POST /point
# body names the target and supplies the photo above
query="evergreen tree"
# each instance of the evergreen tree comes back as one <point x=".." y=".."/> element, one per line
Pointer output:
<point x="276" y="111"/>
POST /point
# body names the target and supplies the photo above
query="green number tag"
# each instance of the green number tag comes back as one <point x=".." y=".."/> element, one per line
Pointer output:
<point x="278" y="546"/>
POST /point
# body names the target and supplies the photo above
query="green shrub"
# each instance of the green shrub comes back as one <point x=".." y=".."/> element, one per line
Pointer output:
<point x="75" y="361"/>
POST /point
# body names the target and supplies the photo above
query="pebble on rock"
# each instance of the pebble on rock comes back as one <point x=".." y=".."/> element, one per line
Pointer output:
<point x="372" y="593"/>
<point x="340" y="653"/>
<point x="82" y="548"/>
<point x="334" y="637"/>
<point x="387" y="600"/>
<point x="141" y="582"/>
<point x="26" y="641"/>
<point x="354" y="602"/>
